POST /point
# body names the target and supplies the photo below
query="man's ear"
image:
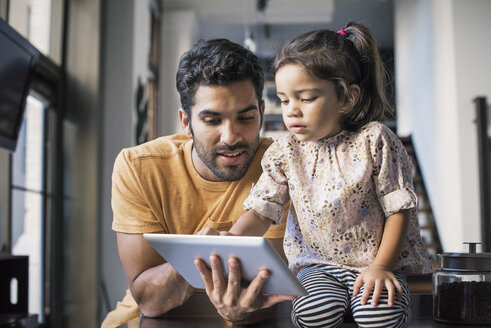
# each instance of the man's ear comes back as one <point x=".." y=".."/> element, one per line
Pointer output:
<point x="261" y="112"/>
<point x="185" y="123"/>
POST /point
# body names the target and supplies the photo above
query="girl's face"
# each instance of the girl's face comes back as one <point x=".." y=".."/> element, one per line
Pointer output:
<point x="311" y="109"/>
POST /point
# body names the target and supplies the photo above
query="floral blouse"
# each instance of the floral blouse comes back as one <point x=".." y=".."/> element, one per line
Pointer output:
<point x="340" y="190"/>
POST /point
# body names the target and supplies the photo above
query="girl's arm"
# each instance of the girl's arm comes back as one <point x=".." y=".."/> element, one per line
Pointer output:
<point x="379" y="274"/>
<point x="393" y="239"/>
<point x="250" y="224"/>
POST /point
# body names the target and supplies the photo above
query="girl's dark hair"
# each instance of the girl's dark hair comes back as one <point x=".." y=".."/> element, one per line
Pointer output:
<point x="345" y="58"/>
<point x="216" y="62"/>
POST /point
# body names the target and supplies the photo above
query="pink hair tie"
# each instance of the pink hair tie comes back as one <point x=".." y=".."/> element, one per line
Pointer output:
<point x="342" y="32"/>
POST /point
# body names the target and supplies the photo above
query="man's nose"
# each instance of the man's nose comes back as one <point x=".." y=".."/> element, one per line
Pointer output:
<point x="230" y="134"/>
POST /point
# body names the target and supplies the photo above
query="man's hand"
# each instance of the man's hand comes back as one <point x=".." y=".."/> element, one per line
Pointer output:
<point x="377" y="277"/>
<point x="232" y="301"/>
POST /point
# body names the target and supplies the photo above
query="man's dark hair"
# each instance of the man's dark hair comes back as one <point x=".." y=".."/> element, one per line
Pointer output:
<point x="216" y="62"/>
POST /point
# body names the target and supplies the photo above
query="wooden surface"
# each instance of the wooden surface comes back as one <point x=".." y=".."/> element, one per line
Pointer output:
<point x="199" y="313"/>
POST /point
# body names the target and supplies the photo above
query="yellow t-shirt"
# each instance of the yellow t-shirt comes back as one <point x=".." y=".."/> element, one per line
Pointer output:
<point x="157" y="189"/>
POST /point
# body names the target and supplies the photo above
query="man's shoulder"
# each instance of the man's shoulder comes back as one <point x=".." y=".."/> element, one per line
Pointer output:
<point x="166" y="146"/>
<point x="265" y="142"/>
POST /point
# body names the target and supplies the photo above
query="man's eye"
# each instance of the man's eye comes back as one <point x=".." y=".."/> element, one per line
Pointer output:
<point x="211" y="121"/>
<point x="284" y="102"/>
<point x="246" y="118"/>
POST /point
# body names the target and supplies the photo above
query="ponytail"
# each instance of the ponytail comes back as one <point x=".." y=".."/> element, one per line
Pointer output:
<point x="373" y="102"/>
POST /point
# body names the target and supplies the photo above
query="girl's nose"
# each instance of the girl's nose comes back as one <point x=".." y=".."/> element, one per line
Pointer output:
<point x="292" y="109"/>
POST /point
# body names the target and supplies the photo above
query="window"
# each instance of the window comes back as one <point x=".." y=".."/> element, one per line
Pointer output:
<point x="39" y="21"/>
<point x="33" y="174"/>
<point x="32" y="212"/>
<point x="28" y="199"/>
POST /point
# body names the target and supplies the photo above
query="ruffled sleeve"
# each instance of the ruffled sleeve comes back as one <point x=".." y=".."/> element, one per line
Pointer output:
<point x="269" y="196"/>
<point x="392" y="171"/>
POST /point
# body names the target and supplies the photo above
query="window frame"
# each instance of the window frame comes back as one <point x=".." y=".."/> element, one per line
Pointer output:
<point x="47" y="82"/>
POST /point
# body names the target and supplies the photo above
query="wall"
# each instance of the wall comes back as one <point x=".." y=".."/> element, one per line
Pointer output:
<point x="179" y="34"/>
<point x="117" y="102"/>
<point x="440" y="67"/>
<point x="472" y="52"/>
<point x="81" y="151"/>
<point x="125" y="60"/>
<point x="3" y="9"/>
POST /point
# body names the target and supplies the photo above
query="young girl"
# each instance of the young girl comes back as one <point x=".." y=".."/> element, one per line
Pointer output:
<point x="352" y="232"/>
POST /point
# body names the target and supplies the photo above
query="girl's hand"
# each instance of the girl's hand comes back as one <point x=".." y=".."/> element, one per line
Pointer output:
<point x="212" y="231"/>
<point x="377" y="277"/>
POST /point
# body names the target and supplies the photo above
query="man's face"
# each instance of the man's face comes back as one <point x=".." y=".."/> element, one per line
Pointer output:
<point x="225" y="126"/>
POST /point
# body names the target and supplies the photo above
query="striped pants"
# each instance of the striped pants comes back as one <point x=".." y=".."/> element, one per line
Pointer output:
<point x="330" y="295"/>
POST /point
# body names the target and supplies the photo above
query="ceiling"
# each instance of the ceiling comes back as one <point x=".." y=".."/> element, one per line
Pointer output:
<point x="241" y="11"/>
<point x="282" y="19"/>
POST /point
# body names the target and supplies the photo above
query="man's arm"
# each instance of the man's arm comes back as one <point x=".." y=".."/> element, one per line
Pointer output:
<point x="155" y="285"/>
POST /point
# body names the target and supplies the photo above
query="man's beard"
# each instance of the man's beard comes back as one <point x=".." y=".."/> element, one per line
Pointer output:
<point x="227" y="173"/>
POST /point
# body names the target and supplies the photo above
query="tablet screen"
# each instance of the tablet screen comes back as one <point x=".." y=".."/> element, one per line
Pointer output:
<point x="254" y="254"/>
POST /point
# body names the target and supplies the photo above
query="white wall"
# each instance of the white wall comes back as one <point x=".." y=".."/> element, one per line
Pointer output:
<point x="441" y="65"/>
<point x="179" y="34"/>
<point x="472" y="53"/>
<point x="125" y="53"/>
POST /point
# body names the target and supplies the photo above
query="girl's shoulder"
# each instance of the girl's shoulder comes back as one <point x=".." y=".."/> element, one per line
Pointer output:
<point x="375" y="131"/>
<point x="284" y="146"/>
<point x="377" y="136"/>
<point x="286" y="142"/>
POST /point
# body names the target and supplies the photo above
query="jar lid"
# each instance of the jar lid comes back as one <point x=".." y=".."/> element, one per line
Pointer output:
<point x="471" y="261"/>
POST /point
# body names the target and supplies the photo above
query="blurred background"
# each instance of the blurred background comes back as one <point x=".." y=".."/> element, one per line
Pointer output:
<point x="106" y="80"/>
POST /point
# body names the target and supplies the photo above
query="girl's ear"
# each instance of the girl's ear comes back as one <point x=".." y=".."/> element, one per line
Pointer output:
<point x="353" y="97"/>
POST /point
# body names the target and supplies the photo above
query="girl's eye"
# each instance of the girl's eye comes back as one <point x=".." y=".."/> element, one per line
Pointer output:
<point x="309" y="99"/>
<point x="284" y="102"/>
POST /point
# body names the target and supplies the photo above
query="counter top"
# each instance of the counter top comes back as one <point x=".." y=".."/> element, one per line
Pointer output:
<point x="199" y="312"/>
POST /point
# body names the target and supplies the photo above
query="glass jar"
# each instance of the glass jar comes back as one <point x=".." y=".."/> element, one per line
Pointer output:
<point x="462" y="288"/>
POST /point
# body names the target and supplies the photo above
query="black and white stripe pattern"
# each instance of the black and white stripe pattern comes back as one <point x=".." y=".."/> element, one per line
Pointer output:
<point x="330" y="295"/>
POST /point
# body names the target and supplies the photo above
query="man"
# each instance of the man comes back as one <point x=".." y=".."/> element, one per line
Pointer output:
<point x="196" y="182"/>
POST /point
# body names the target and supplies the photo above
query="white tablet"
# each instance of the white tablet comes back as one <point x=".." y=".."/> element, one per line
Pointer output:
<point x="254" y="254"/>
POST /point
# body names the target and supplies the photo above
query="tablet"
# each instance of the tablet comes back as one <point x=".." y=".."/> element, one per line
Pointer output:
<point x="254" y="254"/>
